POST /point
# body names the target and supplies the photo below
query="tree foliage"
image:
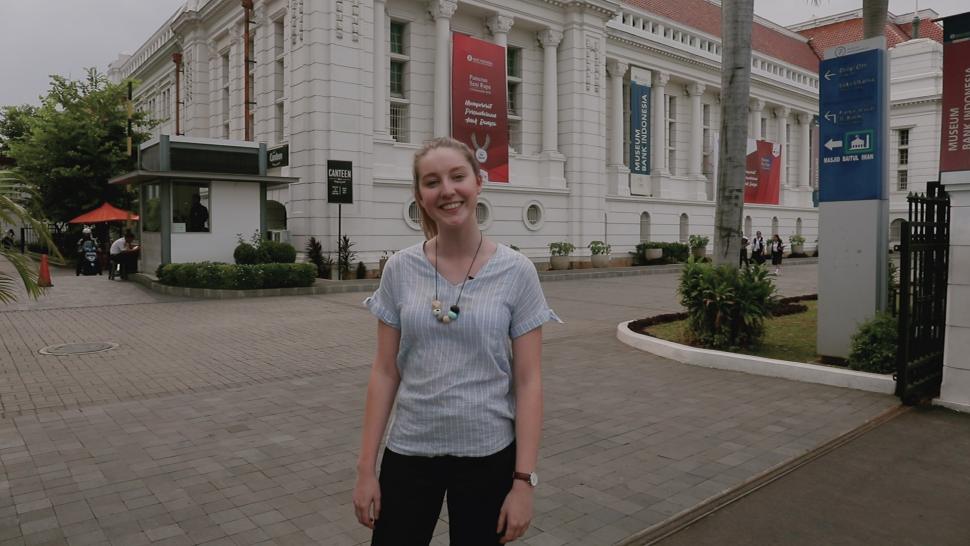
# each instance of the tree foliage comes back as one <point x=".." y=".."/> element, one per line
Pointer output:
<point x="15" y="195"/>
<point x="71" y="145"/>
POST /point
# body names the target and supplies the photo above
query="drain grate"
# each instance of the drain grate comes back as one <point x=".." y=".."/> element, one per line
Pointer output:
<point x="67" y="349"/>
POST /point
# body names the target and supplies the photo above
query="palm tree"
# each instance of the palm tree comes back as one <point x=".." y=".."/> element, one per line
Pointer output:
<point x="736" y="17"/>
<point x="14" y="195"/>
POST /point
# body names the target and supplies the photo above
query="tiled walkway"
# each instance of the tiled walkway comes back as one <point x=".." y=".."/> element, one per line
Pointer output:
<point x="237" y="422"/>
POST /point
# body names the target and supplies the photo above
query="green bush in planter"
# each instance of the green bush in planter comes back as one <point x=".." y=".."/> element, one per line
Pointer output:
<point x="796" y="240"/>
<point x="874" y="345"/>
<point x="237" y="276"/>
<point x="561" y="248"/>
<point x="697" y="241"/>
<point x="672" y="252"/>
<point x="726" y="306"/>
<point x="598" y="247"/>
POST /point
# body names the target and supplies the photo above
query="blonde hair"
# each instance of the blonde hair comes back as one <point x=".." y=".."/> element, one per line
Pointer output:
<point x="429" y="226"/>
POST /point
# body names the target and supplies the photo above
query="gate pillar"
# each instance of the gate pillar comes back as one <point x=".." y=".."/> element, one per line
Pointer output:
<point x="955" y="390"/>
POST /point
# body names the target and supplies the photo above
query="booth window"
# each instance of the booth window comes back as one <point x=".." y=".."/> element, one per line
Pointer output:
<point x="152" y="208"/>
<point x="190" y="207"/>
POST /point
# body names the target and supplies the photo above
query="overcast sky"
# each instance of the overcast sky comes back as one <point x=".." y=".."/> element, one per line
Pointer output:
<point x="43" y="37"/>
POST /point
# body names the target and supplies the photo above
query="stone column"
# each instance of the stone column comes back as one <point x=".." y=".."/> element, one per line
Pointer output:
<point x="696" y="168"/>
<point x="618" y="174"/>
<point x="757" y="106"/>
<point x="659" y="129"/>
<point x="500" y="25"/>
<point x="442" y="11"/>
<point x="380" y="70"/>
<point x="617" y="71"/>
<point x="550" y="39"/>
<point x="782" y="117"/>
<point x="804" y="157"/>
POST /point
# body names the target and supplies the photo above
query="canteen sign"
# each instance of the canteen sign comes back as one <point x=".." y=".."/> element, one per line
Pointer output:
<point x="340" y="182"/>
<point x="639" y="128"/>
<point x="279" y="156"/>
<point x="955" y="144"/>
<point x="479" y="112"/>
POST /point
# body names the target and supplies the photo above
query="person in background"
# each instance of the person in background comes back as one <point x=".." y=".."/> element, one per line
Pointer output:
<point x="198" y="215"/>
<point x="124" y="254"/>
<point x="744" y="253"/>
<point x="758" y="248"/>
<point x="86" y="243"/>
<point x="777" y="250"/>
<point x="8" y="239"/>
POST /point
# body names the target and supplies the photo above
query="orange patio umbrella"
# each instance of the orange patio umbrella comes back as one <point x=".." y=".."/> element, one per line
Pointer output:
<point x="105" y="213"/>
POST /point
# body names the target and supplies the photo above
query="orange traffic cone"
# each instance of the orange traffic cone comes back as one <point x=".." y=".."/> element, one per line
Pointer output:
<point x="44" y="277"/>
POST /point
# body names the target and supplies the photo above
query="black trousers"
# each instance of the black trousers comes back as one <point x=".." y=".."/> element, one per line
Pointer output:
<point x="412" y="490"/>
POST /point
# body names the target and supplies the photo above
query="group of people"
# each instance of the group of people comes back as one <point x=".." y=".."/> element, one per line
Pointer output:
<point x="122" y="255"/>
<point x="760" y="251"/>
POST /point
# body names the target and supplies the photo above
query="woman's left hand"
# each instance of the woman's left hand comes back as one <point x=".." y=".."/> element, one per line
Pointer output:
<point x="516" y="513"/>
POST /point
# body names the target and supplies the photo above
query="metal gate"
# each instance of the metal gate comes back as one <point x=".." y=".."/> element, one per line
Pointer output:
<point x="923" y="266"/>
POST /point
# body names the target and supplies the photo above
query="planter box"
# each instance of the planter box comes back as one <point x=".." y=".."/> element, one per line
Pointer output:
<point x="600" y="260"/>
<point x="797" y="249"/>
<point x="699" y="252"/>
<point x="653" y="253"/>
<point x="559" y="262"/>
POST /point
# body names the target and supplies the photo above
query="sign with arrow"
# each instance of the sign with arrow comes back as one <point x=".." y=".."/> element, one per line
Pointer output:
<point x="852" y="93"/>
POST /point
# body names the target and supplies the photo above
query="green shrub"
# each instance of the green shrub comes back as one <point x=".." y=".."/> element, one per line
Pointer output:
<point x="874" y="345"/>
<point x="278" y="253"/>
<point x="561" y="248"/>
<point x="672" y="252"/>
<point x="598" y="247"/>
<point x="726" y="306"/>
<point x="237" y="276"/>
<point x="697" y="241"/>
<point x="796" y="240"/>
<point x="246" y="253"/>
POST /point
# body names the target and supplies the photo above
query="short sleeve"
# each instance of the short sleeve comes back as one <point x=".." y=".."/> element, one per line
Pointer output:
<point x="382" y="303"/>
<point x="529" y="307"/>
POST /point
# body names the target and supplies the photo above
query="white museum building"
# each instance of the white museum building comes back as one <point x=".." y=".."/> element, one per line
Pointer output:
<point x="367" y="81"/>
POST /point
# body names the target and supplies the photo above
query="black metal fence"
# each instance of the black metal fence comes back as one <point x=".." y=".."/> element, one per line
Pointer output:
<point x="923" y="266"/>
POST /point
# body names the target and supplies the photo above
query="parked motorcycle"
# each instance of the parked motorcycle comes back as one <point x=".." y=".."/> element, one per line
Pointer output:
<point x="88" y="259"/>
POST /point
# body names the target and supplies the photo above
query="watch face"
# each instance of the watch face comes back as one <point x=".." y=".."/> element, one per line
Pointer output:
<point x="533" y="479"/>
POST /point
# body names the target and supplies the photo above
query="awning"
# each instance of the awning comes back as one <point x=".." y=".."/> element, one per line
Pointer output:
<point x="143" y="176"/>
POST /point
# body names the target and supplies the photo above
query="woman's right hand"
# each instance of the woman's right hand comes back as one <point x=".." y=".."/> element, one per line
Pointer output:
<point x="367" y="499"/>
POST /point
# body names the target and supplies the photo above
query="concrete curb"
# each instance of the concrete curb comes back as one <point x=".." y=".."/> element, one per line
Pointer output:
<point x="756" y="365"/>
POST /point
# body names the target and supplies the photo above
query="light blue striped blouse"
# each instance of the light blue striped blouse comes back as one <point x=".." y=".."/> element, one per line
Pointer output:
<point x="456" y="395"/>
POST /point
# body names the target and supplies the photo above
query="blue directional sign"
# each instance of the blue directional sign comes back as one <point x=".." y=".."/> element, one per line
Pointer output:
<point x="852" y="143"/>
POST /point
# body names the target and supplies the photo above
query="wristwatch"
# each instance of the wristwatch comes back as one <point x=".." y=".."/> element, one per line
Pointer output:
<point x="531" y="477"/>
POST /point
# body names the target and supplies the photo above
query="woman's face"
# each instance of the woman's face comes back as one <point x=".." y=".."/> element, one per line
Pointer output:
<point x="447" y="187"/>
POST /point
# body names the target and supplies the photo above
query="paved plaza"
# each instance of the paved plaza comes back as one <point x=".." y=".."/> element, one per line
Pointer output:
<point x="238" y="421"/>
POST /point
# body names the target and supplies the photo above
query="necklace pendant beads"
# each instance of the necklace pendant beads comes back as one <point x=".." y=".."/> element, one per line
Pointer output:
<point x="454" y="310"/>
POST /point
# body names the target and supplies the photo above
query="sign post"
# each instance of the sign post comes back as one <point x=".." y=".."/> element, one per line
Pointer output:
<point x="340" y="190"/>
<point x="853" y="209"/>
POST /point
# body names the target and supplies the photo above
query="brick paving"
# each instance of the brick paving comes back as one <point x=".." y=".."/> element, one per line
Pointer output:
<point x="237" y="422"/>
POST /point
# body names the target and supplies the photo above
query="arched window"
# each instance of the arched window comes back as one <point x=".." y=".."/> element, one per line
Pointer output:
<point x="798" y="227"/>
<point x="644" y="227"/>
<point x="774" y="225"/>
<point x="747" y="227"/>
<point x="895" y="230"/>
<point x="275" y="215"/>
<point x="684" y="227"/>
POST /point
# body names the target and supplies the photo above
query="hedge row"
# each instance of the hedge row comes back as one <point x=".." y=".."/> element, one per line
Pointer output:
<point x="672" y="252"/>
<point x="237" y="277"/>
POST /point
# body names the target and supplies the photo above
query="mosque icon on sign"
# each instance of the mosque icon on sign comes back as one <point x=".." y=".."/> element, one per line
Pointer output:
<point x="859" y="142"/>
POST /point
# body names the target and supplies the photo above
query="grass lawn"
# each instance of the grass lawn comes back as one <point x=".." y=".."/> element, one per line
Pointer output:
<point x="791" y="337"/>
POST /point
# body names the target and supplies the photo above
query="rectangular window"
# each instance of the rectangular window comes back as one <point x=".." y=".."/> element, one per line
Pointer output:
<point x="902" y="159"/>
<point x="671" y="137"/>
<point x="190" y="207"/>
<point x="706" y="145"/>
<point x="398" y="81"/>
<point x="513" y="67"/>
<point x="225" y="95"/>
<point x="279" y="80"/>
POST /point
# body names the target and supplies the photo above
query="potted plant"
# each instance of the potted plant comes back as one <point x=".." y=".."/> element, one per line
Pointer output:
<point x="653" y="251"/>
<point x="797" y="244"/>
<point x="600" y="253"/>
<point x="560" y="252"/>
<point x="698" y="245"/>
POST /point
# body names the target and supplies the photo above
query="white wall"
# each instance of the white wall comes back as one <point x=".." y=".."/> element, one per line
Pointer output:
<point x="233" y="211"/>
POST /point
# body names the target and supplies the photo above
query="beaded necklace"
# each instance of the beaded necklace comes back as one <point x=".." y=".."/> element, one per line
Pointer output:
<point x="453" y="312"/>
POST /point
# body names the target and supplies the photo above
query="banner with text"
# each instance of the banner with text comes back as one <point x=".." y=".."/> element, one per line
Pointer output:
<point x="639" y="128"/>
<point x="479" y="114"/>
<point x="955" y="145"/>
<point x="762" y="175"/>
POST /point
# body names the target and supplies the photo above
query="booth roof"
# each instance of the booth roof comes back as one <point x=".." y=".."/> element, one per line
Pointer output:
<point x="142" y="177"/>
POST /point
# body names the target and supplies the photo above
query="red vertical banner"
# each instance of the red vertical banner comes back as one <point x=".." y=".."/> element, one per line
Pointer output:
<point x="762" y="174"/>
<point x="955" y="143"/>
<point x="479" y="113"/>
